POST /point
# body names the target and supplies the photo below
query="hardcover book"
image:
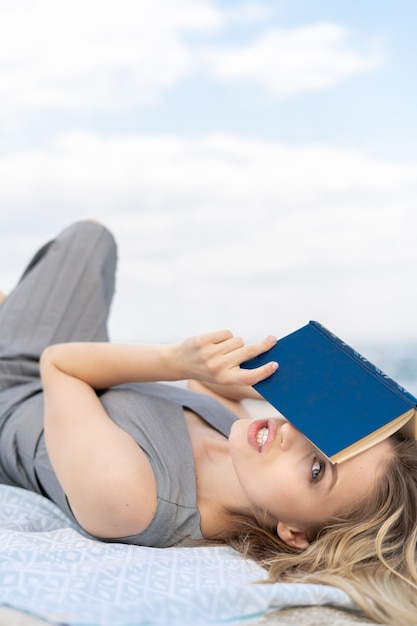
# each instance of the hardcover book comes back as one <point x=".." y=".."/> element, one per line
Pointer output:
<point x="339" y="400"/>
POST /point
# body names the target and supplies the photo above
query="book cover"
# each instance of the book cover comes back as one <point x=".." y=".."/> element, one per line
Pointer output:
<point x="332" y="394"/>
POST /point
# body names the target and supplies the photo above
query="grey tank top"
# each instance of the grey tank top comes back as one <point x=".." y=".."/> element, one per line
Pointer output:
<point x="153" y="414"/>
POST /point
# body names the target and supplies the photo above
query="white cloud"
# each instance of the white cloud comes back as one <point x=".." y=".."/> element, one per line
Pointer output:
<point x="91" y="55"/>
<point x="95" y="55"/>
<point x="247" y="12"/>
<point x="223" y="174"/>
<point x="224" y="191"/>
<point x="227" y="230"/>
<point x="289" y="62"/>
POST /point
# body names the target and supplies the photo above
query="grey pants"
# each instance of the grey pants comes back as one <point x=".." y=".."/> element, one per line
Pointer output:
<point x="64" y="295"/>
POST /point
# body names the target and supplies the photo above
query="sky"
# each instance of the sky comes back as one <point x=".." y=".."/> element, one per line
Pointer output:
<point x="256" y="161"/>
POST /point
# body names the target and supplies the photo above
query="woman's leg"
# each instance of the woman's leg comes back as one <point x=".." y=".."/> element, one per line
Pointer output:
<point x="64" y="295"/>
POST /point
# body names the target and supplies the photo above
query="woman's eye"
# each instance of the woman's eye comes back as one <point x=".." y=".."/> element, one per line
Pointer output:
<point x="316" y="470"/>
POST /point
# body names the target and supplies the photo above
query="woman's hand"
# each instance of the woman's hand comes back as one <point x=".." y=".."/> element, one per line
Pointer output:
<point x="216" y="358"/>
<point x="210" y="358"/>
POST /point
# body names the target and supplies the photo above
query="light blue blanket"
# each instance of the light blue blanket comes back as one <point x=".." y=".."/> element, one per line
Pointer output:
<point x="50" y="569"/>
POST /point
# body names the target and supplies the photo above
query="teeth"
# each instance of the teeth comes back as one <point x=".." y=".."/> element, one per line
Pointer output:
<point x="262" y="436"/>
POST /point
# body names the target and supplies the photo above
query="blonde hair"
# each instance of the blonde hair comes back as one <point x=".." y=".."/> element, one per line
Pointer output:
<point x="369" y="552"/>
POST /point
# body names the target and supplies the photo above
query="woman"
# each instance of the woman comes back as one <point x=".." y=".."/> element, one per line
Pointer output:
<point x="137" y="461"/>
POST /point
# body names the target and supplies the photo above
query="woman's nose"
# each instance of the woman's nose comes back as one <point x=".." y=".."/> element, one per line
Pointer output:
<point x="287" y="435"/>
<point x="290" y="436"/>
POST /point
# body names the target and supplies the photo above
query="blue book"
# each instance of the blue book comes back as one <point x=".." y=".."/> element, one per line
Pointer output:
<point x="339" y="400"/>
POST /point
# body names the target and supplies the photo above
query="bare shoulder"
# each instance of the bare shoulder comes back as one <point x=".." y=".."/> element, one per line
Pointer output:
<point x="106" y="476"/>
<point x="123" y="497"/>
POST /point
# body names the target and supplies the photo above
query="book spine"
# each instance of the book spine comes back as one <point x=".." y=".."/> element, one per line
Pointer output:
<point x="372" y="369"/>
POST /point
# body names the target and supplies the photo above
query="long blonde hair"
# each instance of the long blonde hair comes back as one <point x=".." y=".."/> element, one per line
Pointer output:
<point x="369" y="552"/>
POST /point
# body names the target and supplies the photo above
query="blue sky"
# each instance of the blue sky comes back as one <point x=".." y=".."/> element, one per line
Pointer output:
<point x="257" y="161"/>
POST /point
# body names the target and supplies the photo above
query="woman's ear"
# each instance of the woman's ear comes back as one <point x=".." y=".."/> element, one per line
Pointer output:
<point x="292" y="536"/>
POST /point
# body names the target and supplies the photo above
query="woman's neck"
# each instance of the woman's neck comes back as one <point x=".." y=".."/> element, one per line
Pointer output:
<point x="219" y="493"/>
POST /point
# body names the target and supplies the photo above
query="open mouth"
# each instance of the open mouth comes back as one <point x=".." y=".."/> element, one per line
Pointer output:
<point x="261" y="433"/>
<point x="262" y="436"/>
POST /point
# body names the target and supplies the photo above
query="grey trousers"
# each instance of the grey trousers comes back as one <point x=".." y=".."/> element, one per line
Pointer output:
<point x="64" y="295"/>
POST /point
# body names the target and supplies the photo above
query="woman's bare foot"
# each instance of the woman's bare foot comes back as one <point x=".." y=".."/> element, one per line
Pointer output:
<point x="2" y="297"/>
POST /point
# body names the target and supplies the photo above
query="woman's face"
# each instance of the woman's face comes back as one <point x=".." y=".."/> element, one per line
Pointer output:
<point x="282" y="473"/>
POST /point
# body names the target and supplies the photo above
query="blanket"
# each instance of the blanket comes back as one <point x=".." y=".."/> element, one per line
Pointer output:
<point x="49" y="568"/>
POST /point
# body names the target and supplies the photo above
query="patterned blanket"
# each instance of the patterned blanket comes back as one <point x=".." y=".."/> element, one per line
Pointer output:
<point x="50" y="569"/>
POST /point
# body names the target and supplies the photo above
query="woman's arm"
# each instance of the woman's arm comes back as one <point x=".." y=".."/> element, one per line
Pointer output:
<point x="108" y="480"/>
<point x="106" y="476"/>
<point x="212" y="358"/>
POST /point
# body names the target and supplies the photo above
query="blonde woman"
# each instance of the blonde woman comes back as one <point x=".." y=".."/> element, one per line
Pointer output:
<point x="87" y="423"/>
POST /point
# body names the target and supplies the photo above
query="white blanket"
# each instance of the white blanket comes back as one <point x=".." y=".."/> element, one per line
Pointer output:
<point x="50" y="569"/>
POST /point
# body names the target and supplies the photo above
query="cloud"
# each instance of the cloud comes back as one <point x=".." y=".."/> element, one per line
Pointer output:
<point x="95" y="55"/>
<point x="290" y="62"/>
<point x="227" y="230"/>
<point x="246" y="12"/>
<point x="92" y="56"/>
<point x="223" y="174"/>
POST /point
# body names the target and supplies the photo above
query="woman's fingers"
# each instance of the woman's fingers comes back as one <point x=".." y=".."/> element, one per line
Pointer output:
<point x="255" y="375"/>
<point x="229" y="343"/>
<point x="216" y="357"/>
<point x="252" y="376"/>
<point x="229" y="353"/>
<point x="255" y="349"/>
<point x="242" y="352"/>
<point x="219" y="336"/>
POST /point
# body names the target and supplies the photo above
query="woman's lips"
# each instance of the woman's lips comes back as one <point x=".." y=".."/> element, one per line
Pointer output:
<point x="261" y="433"/>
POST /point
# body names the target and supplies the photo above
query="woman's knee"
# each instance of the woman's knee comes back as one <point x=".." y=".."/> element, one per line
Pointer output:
<point x="91" y="232"/>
